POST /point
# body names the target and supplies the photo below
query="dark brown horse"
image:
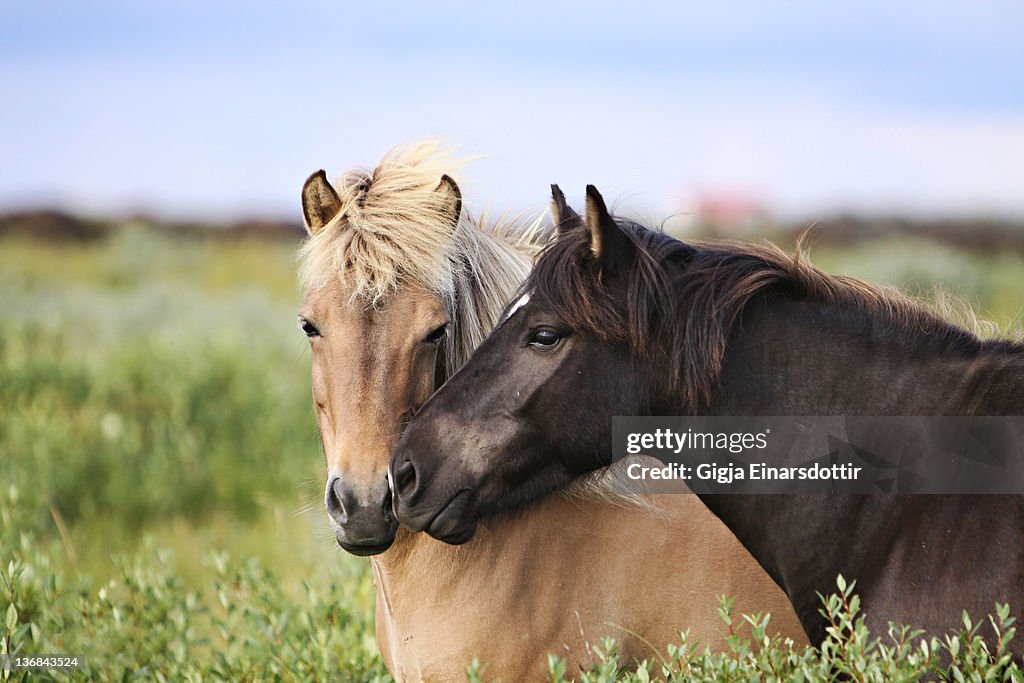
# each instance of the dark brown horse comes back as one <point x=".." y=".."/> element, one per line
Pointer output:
<point x="619" y="320"/>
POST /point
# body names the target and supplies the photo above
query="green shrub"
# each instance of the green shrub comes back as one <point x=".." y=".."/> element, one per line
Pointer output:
<point x="150" y="623"/>
<point x="849" y="653"/>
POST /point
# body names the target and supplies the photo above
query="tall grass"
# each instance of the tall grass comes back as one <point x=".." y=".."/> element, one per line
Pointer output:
<point x="162" y="380"/>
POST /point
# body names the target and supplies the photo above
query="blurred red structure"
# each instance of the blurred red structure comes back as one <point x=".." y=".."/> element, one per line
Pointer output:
<point x="729" y="213"/>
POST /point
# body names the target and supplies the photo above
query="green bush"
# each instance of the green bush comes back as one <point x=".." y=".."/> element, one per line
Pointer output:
<point x="149" y="623"/>
<point x="849" y="653"/>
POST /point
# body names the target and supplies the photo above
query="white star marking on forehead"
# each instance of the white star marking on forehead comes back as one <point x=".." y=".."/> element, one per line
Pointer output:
<point x="523" y="300"/>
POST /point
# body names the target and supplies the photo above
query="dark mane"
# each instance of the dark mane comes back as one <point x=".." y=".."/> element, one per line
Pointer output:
<point x="684" y="299"/>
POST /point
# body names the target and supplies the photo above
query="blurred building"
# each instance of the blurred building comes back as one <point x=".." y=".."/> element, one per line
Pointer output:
<point x="729" y="213"/>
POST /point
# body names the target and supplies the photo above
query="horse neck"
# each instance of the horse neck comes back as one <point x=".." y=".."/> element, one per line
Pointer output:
<point x="501" y="554"/>
<point x="804" y="358"/>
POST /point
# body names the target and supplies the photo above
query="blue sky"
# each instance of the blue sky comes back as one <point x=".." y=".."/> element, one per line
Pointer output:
<point x="222" y="109"/>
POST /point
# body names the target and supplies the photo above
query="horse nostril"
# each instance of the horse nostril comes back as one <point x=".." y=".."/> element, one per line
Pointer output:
<point x="388" y="513"/>
<point x="333" y="500"/>
<point x="405" y="478"/>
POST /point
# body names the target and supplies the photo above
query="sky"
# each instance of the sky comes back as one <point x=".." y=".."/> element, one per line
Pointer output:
<point x="221" y="109"/>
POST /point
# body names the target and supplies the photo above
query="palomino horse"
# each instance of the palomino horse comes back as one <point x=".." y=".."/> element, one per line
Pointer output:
<point x="619" y="320"/>
<point x="402" y="285"/>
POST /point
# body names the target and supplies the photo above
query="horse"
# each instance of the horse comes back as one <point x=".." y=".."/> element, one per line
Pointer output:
<point x="401" y="284"/>
<point x="616" y="319"/>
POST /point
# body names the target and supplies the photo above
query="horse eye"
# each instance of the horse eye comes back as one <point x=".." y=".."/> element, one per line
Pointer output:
<point x="437" y="334"/>
<point x="545" y="338"/>
<point x="308" y="328"/>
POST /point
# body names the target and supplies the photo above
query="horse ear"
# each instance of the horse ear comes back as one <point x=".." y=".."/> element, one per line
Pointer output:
<point x="451" y="200"/>
<point x="611" y="247"/>
<point x="320" y="203"/>
<point x="562" y="214"/>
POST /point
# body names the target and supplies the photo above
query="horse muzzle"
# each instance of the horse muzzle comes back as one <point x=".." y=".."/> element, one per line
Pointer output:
<point x="360" y="527"/>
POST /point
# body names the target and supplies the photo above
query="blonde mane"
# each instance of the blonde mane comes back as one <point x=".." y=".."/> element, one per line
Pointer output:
<point x="391" y="232"/>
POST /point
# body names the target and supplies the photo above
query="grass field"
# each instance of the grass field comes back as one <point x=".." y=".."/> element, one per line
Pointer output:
<point x="160" y="503"/>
